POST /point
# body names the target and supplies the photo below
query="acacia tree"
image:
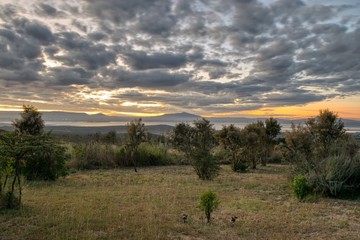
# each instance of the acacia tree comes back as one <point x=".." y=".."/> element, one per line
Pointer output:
<point x="196" y="143"/>
<point x="230" y="138"/>
<point x="136" y="134"/>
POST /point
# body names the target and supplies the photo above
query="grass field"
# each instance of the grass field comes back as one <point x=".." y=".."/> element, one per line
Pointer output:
<point x="122" y="204"/>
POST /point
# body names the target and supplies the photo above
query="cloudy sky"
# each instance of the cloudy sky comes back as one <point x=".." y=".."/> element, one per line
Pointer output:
<point x="285" y="58"/>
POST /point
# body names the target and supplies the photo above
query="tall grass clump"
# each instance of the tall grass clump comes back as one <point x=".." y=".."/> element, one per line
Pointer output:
<point x="93" y="155"/>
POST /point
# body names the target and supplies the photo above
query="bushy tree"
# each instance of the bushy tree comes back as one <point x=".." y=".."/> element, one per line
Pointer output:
<point x="31" y="121"/>
<point x="196" y="142"/>
<point x="231" y="139"/>
<point x="136" y="134"/>
<point x="325" y="128"/>
<point x="254" y="142"/>
<point x="272" y="130"/>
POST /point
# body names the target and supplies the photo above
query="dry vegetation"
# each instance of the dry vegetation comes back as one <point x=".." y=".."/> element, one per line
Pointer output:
<point x="121" y="204"/>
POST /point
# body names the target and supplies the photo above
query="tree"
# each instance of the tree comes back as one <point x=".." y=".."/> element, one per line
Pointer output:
<point x="208" y="203"/>
<point x="230" y="138"/>
<point x="254" y="142"/>
<point x="136" y="134"/>
<point x="13" y="151"/>
<point x="325" y="128"/>
<point x="196" y="143"/>
<point x="31" y="121"/>
<point x="272" y="129"/>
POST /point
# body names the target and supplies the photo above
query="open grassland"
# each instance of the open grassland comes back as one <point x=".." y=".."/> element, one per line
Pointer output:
<point x="122" y="204"/>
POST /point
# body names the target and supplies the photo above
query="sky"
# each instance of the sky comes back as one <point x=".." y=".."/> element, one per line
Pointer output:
<point x="231" y="58"/>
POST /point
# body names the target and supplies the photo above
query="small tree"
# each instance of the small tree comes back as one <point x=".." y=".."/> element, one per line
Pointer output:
<point x="230" y="138"/>
<point x="325" y="128"/>
<point x="272" y="129"/>
<point x="196" y="143"/>
<point x="254" y="142"/>
<point x="136" y="135"/>
<point x="208" y="203"/>
<point x="31" y="121"/>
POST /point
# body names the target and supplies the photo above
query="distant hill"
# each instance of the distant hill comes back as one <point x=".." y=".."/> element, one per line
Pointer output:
<point x="174" y="117"/>
<point x="76" y="119"/>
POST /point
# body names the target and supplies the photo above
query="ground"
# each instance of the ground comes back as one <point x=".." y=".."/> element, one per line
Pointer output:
<point x="122" y="204"/>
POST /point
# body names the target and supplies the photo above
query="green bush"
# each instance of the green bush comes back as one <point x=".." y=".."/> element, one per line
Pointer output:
<point x="208" y="203"/>
<point x="301" y="187"/>
<point x="46" y="164"/>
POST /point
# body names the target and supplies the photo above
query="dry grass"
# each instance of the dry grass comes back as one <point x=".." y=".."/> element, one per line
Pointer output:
<point x="121" y="204"/>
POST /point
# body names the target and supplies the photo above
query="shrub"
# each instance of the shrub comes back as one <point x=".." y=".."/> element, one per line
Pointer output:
<point x="47" y="162"/>
<point x="208" y="203"/>
<point x="301" y="187"/>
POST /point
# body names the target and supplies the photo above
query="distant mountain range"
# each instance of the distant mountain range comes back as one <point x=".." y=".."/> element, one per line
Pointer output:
<point x="68" y="121"/>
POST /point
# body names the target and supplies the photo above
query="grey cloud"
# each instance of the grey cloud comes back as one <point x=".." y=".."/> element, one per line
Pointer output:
<point x="97" y="36"/>
<point x="20" y="76"/>
<point x="142" y="60"/>
<point x="251" y="17"/>
<point x="47" y="10"/>
<point x="293" y="98"/>
<point x="155" y="79"/>
<point x="67" y="76"/>
<point x="39" y="32"/>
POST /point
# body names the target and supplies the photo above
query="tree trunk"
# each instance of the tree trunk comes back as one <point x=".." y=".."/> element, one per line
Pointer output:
<point x="133" y="160"/>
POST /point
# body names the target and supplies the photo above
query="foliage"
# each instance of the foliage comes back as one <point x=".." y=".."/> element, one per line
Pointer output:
<point x="110" y="137"/>
<point x="31" y="121"/>
<point x="232" y="140"/>
<point x="255" y="141"/>
<point x="301" y="187"/>
<point x="136" y="135"/>
<point x="153" y="154"/>
<point x="325" y="129"/>
<point x="93" y="155"/>
<point x="337" y="175"/>
<point x="13" y="151"/>
<point x="272" y="128"/>
<point x="325" y="155"/>
<point x="208" y="203"/>
<point x="197" y="143"/>
<point x="46" y="161"/>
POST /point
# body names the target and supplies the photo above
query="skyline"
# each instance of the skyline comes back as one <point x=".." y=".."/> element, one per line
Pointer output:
<point x="231" y="58"/>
